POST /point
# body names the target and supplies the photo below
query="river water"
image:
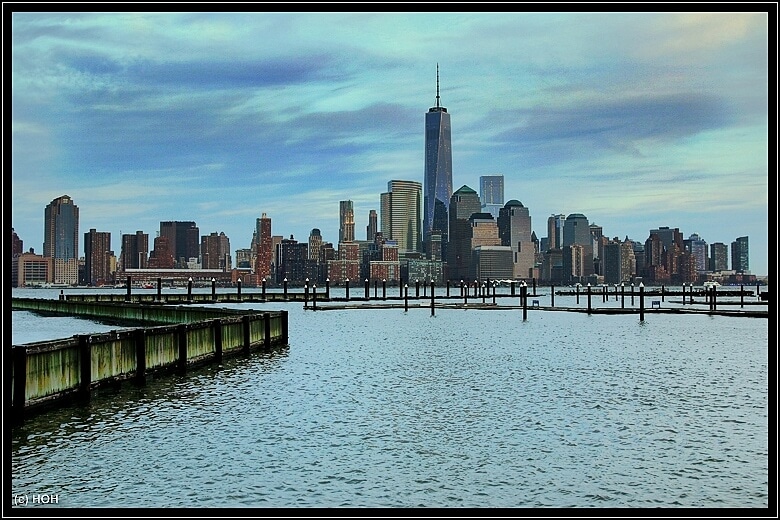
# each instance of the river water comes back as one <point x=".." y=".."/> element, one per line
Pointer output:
<point x="381" y="408"/>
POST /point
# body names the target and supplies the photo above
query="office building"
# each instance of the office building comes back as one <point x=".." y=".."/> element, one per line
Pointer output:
<point x="400" y="215"/>
<point x="98" y="258"/>
<point x="739" y="256"/>
<point x="555" y="225"/>
<point x="719" y="257"/>
<point x="264" y="247"/>
<point x="17" y="246"/>
<point x="183" y="241"/>
<point x="514" y="228"/>
<point x="463" y="203"/>
<point x="438" y="171"/>
<point x="698" y="248"/>
<point x="215" y="252"/>
<point x="346" y="221"/>
<point x="373" y="227"/>
<point x="61" y="239"/>
<point x="315" y="241"/>
<point x="135" y="251"/>
<point x="491" y="194"/>
<point x="578" y="259"/>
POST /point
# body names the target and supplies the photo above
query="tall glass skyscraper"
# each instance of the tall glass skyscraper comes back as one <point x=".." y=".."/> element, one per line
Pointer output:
<point x="438" y="171"/>
<point x="491" y="194"/>
<point x="61" y="238"/>
<point x="400" y="214"/>
<point x="346" y="221"/>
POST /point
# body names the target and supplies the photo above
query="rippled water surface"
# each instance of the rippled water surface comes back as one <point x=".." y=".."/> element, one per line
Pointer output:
<point x="386" y="408"/>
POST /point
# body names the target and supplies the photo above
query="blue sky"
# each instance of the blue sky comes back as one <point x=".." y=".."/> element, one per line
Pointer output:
<point x="637" y="120"/>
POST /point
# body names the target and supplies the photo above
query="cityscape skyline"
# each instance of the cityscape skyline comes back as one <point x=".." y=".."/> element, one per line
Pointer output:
<point x="664" y="123"/>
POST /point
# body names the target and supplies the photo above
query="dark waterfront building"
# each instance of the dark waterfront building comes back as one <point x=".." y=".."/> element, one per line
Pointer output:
<point x="161" y="256"/>
<point x="135" y="251"/>
<point x="61" y="238"/>
<point x="16" y="244"/>
<point x="514" y="227"/>
<point x="698" y="248"/>
<point x="739" y="255"/>
<point x="372" y="227"/>
<point x="577" y="249"/>
<point x="463" y="204"/>
<point x="264" y="249"/>
<point x="97" y="258"/>
<point x="292" y="261"/>
<point x="438" y="172"/>
<point x="719" y="257"/>
<point x="215" y="252"/>
<point x="183" y="240"/>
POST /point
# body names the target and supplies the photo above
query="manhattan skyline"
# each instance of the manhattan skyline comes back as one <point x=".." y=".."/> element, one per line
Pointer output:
<point x="636" y="120"/>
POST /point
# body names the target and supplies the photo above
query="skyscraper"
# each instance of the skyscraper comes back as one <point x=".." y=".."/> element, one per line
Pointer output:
<point x="135" y="250"/>
<point x="438" y="171"/>
<point x="577" y="248"/>
<point x="97" y="258"/>
<point x="183" y="240"/>
<point x="514" y="227"/>
<point x="739" y="256"/>
<point x="719" y="257"/>
<point x="372" y="227"/>
<point x="265" y="248"/>
<point x="463" y="204"/>
<point x="491" y="194"/>
<point x="346" y="221"/>
<point x="555" y="225"/>
<point x="61" y="238"/>
<point x="400" y="218"/>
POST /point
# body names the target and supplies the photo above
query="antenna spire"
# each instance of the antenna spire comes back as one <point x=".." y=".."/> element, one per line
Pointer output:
<point x="437" y="85"/>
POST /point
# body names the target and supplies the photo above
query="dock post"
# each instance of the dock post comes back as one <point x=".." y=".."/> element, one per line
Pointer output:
<point x="245" y="326"/>
<point x="216" y="327"/>
<point x="512" y="288"/>
<point x="533" y="280"/>
<point x="376" y="283"/>
<point x="140" y="355"/>
<point x="181" y="332"/>
<point x="622" y="295"/>
<point x="263" y="288"/>
<point x="267" y="331"/>
<point x="213" y="289"/>
<point x="20" y="381"/>
<point x="406" y="297"/>
<point x="417" y="289"/>
<point x="189" y="289"/>
<point x="314" y="297"/>
<point x="85" y="362"/>
<point x="741" y="296"/>
<point x="448" y="288"/>
<point x="641" y="302"/>
<point x="632" y="294"/>
<point x="524" y="298"/>
<point x="366" y="289"/>
<point x="285" y="328"/>
<point x="384" y="288"/>
<point x="327" y="288"/>
<point x="588" y="298"/>
<point x="127" y="294"/>
<point x="465" y="291"/>
<point x="663" y="293"/>
<point x="714" y="298"/>
<point x="347" y="289"/>
<point x="285" y="288"/>
<point x="306" y="295"/>
<point x="577" y="290"/>
<point x="432" y="298"/>
<point x="159" y="289"/>
<point x="683" y="292"/>
<point x="239" y="289"/>
<point x="552" y="295"/>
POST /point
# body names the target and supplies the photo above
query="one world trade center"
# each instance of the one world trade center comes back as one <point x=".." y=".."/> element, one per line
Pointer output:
<point x="438" y="172"/>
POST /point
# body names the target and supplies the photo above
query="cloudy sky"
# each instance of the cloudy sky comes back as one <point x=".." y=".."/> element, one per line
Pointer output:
<point x="637" y="120"/>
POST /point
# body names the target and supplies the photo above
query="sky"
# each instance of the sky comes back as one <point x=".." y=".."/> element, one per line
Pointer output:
<point x="636" y="120"/>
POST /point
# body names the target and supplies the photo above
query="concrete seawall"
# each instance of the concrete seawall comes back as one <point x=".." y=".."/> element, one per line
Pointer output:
<point x="49" y="373"/>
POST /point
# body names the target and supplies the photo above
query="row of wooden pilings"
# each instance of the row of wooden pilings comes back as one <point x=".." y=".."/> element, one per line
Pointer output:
<point x="483" y="291"/>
